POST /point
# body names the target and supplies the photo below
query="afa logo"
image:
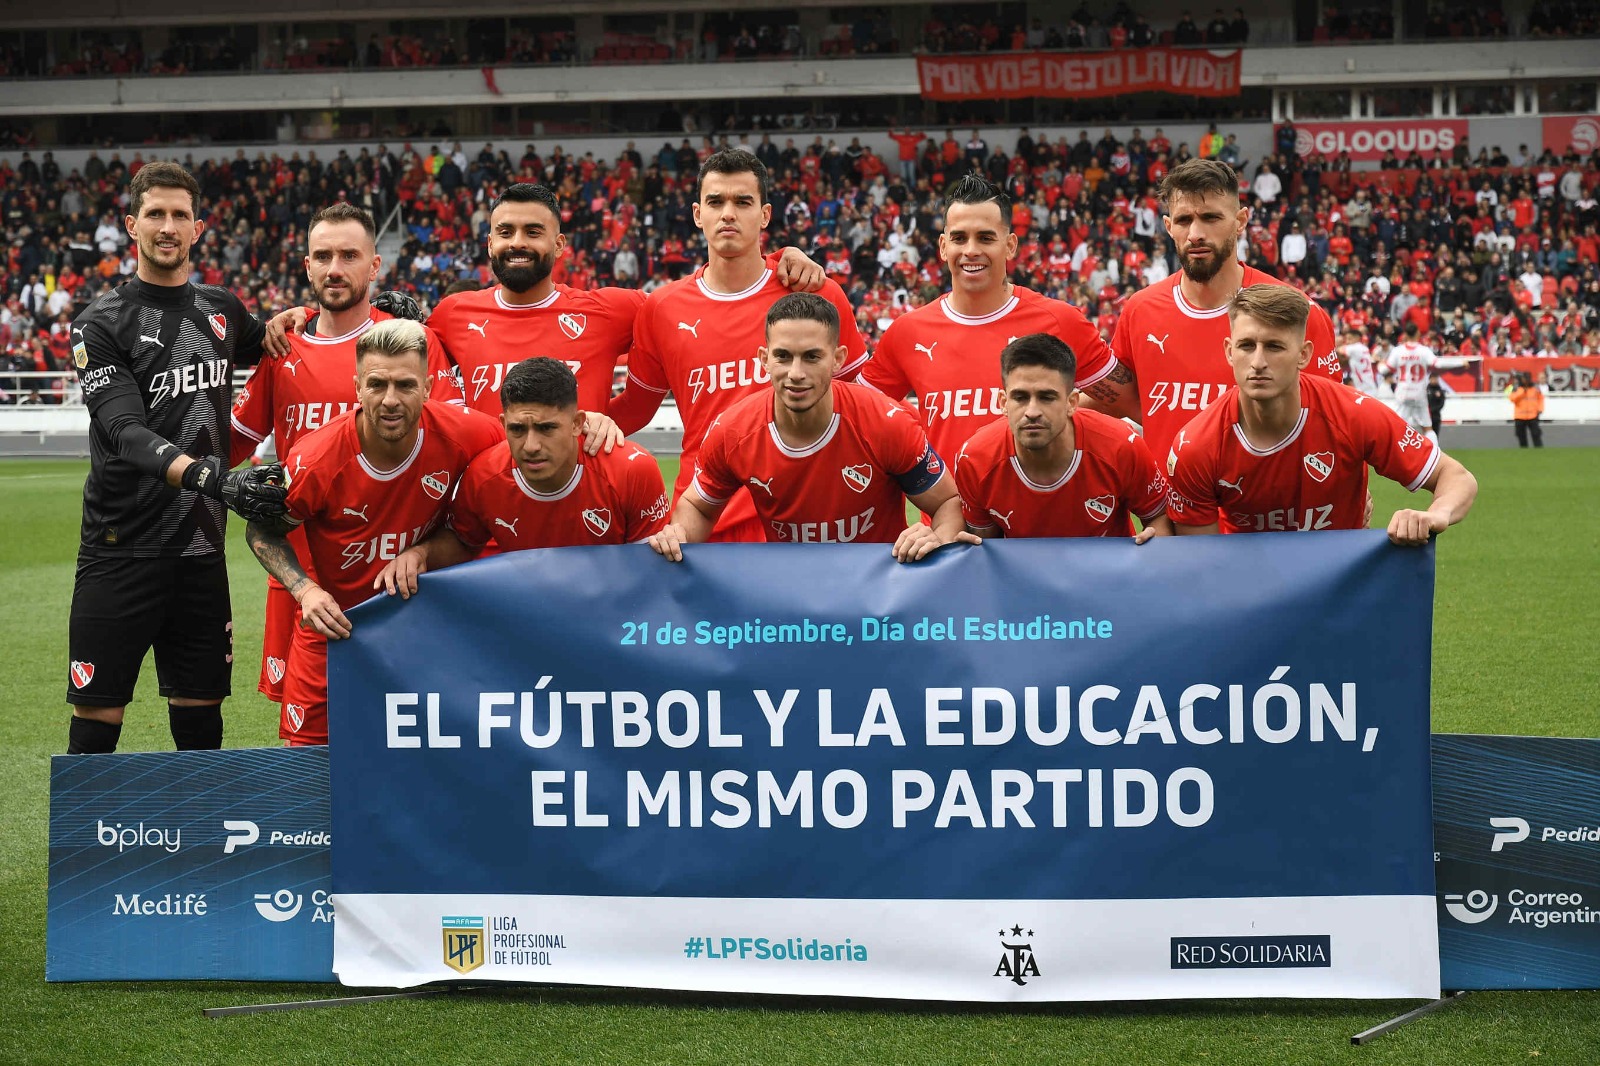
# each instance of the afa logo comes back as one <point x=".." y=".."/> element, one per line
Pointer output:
<point x="572" y="325"/>
<point x="436" y="484"/>
<point x="463" y="942"/>
<point x="1018" y="963"/>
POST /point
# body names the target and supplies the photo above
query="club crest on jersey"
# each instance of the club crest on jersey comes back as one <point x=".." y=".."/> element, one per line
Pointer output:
<point x="1101" y="508"/>
<point x="296" y="715"/>
<point x="1319" y="465"/>
<point x="436" y="484"/>
<point x="858" y="477"/>
<point x="80" y="355"/>
<point x="572" y="325"/>
<point x="274" y="669"/>
<point x="598" y="520"/>
<point x="219" y="325"/>
<point x="82" y="673"/>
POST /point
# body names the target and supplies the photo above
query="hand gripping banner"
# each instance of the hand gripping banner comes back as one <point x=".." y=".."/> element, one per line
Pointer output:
<point x="1032" y="770"/>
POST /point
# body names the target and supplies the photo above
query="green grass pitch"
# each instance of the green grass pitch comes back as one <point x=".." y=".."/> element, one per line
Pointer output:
<point x="1515" y="652"/>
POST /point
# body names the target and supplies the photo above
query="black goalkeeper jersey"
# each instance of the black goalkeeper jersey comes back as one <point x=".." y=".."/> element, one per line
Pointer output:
<point x="173" y="350"/>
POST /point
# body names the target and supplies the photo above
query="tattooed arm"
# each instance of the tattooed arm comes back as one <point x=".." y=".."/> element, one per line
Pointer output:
<point x="268" y="539"/>
<point x="1116" y="394"/>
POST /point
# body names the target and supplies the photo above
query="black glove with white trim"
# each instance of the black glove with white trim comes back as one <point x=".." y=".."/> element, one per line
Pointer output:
<point x="256" y="492"/>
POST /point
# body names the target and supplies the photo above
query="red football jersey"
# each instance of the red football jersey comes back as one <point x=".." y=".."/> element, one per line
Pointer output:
<point x="951" y="362"/>
<point x="611" y="499"/>
<point x="589" y="330"/>
<point x="1175" y="351"/>
<point x="356" y="518"/>
<point x="709" y="374"/>
<point x="1111" y="477"/>
<point x="1315" y="479"/>
<point x="850" y="485"/>
<point x="292" y="395"/>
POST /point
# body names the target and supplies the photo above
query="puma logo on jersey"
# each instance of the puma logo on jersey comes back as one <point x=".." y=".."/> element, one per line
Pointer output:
<point x="694" y="330"/>
<point x="361" y="514"/>
<point x="480" y="328"/>
<point x="1003" y="519"/>
<point x="767" y="484"/>
<point x="927" y="350"/>
<point x="636" y="453"/>
<point x="153" y="340"/>
<point x="512" y="526"/>
<point x="1182" y="439"/>
<point x="1236" y="486"/>
<point x="891" y="412"/>
<point x="293" y="366"/>
<point x="1162" y="343"/>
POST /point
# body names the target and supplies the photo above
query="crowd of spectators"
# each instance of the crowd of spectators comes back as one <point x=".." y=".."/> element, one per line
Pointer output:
<point x="758" y="35"/>
<point x="1489" y="254"/>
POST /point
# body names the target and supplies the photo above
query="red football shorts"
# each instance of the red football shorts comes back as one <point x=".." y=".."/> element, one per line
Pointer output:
<point x="277" y="634"/>
<point x="303" y="718"/>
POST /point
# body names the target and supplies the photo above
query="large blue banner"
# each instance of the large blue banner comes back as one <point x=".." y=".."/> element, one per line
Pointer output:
<point x="1023" y="770"/>
<point x="200" y="865"/>
<point x="1517" y="827"/>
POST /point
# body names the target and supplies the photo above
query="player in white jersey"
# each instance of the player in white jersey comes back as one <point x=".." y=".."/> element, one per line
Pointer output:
<point x="1410" y="364"/>
<point x="1360" y="370"/>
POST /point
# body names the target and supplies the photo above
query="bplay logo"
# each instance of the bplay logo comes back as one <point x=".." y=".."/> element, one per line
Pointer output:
<point x="1476" y="906"/>
<point x="122" y="837"/>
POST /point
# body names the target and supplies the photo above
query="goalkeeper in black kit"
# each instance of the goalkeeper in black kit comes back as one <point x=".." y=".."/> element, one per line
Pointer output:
<point x="155" y="361"/>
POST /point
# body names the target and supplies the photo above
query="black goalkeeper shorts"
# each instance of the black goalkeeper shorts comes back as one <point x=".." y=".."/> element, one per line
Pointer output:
<point x="121" y="608"/>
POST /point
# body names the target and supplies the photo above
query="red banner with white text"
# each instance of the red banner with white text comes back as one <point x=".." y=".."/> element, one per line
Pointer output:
<point x="1079" y="74"/>
<point x="1368" y="141"/>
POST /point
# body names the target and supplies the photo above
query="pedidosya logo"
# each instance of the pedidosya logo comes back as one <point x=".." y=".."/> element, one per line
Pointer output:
<point x="242" y="833"/>
<point x="1513" y="830"/>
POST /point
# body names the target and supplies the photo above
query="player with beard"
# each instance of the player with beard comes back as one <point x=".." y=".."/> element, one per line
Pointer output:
<point x="290" y="395"/>
<point x="365" y="487"/>
<point x="1172" y="334"/>
<point x="155" y="361"/>
<point x="488" y="332"/>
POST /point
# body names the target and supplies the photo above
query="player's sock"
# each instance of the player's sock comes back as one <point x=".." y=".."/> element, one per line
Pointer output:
<point x="90" y="736"/>
<point x="196" y="728"/>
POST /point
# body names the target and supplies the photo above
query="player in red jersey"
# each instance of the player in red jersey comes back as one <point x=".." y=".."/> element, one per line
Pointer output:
<point x="825" y="461"/>
<point x="698" y="337"/>
<point x="1287" y="450"/>
<point x="366" y="486"/>
<point x="946" y="353"/>
<point x="1051" y="469"/>
<point x="538" y="489"/>
<point x="290" y="395"/>
<point x="1171" y="335"/>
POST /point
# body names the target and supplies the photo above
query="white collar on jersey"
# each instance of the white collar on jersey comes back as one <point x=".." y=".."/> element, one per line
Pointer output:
<point x="712" y="294"/>
<point x="390" y="475"/>
<point x="1294" y="434"/>
<point x="981" y="320"/>
<point x="312" y="338"/>
<point x="500" y="301"/>
<point x="811" y="449"/>
<point x="1072" y="468"/>
<point x="1189" y="309"/>
<point x="548" y="497"/>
